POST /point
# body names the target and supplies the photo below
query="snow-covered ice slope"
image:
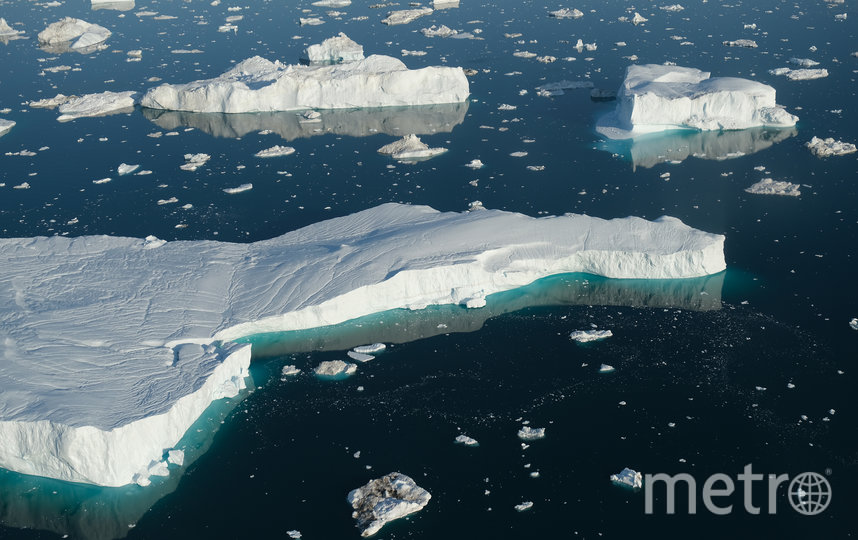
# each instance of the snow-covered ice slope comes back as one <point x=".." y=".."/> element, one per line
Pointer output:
<point x="112" y="346"/>
<point x="257" y="85"/>
<point x="658" y="98"/>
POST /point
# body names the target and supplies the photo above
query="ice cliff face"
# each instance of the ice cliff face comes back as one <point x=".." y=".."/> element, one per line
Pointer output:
<point x="112" y="347"/>
<point x="659" y="98"/>
<point x="257" y="85"/>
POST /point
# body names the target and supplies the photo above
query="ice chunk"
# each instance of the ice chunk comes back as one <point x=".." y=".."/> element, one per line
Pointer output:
<point x="124" y="168"/>
<point x="7" y="32"/>
<point x="176" y="457"/>
<point x="746" y="43"/>
<point x="475" y="164"/>
<point x="194" y="161"/>
<point x="557" y="88"/>
<point x="117" y="5"/>
<point x="767" y="186"/>
<point x="659" y="98"/>
<point x="445" y="4"/>
<point x="289" y="371"/>
<point x="84" y="35"/>
<point x="5" y="126"/>
<point x="238" y="189"/>
<point x="335" y="369"/>
<point x="638" y="19"/>
<point x="149" y="331"/>
<point x="385" y="499"/>
<point x="257" y="85"/>
<point x="800" y="74"/>
<point x="439" y="31"/>
<point x="275" y="151"/>
<point x="405" y="16"/>
<point x="467" y="441"/>
<point x="102" y="104"/>
<point x="337" y="49"/>
<point x="310" y="21"/>
<point x="370" y="349"/>
<point x="294" y="534"/>
<point x="854" y="325"/>
<point x="526" y="505"/>
<point x="566" y="13"/>
<point x="605" y="368"/>
<point x="629" y="478"/>
<point x="410" y="147"/>
<point x="360" y="357"/>
<point x="51" y="103"/>
<point x="584" y="336"/>
<point x="527" y="433"/>
<point x="332" y="3"/>
<point x="672" y="7"/>
<point x="803" y="62"/>
<point x="829" y="147"/>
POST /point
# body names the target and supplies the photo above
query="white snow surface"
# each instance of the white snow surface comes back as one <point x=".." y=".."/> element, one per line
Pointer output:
<point x="410" y="147"/>
<point x="656" y="98"/>
<point x="385" y="499"/>
<point x="69" y="29"/>
<point x="257" y="85"/>
<point x="114" y="346"/>
<point x="337" y="49"/>
<point x="100" y="104"/>
<point x="5" y="126"/>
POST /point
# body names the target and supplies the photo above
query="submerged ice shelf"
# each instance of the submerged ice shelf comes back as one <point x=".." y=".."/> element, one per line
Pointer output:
<point x="656" y="98"/>
<point x="114" y="346"/>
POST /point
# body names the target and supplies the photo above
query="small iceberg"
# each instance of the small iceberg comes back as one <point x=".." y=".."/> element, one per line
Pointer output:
<point x="370" y="349"/>
<point x="584" y="336"/>
<point x="73" y="34"/>
<point x="385" y="499"/>
<point x="238" y="189"/>
<point x="465" y="440"/>
<point x="605" y="368"/>
<point x="335" y="369"/>
<point x="125" y="168"/>
<point x="803" y="74"/>
<point x="527" y="433"/>
<point x="628" y="478"/>
<point x="360" y="357"/>
<point x="275" y="151"/>
<point x="829" y="147"/>
<point x="5" y="126"/>
<point x="526" y="505"/>
<point x="410" y="147"/>
<point x="289" y="371"/>
<point x="405" y="16"/>
<point x="853" y="324"/>
<point x="102" y="104"/>
<point x="767" y="186"/>
<point x="566" y="13"/>
<point x="194" y="161"/>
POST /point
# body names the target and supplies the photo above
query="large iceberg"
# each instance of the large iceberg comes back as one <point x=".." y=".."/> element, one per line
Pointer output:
<point x="339" y="48"/>
<point x="258" y="85"/>
<point x="659" y="98"/>
<point x="114" y="346"/>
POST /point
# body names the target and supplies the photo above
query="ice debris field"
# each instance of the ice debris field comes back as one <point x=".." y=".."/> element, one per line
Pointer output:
<point x="132" y="338"/>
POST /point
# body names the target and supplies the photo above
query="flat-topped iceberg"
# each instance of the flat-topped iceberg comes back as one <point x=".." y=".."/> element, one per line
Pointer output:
<point x="100" y="104"/>
<point x="585" y="336"/>
<point x="410" y="147"/>
<point x="335" y="50"/>
<point x="767" y="186"/>
<point x="829" y="147"/>
<point x="114" y="346"/>
<point x="385" y="499"/>
<point x="659" y="98"/>
<point x="73" y="34"/>
<point x="405" y="16"/>
<point x="258" y="85"/>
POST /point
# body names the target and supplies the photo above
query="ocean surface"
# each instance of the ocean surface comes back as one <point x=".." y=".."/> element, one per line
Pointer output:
<point x="755" y="365"/>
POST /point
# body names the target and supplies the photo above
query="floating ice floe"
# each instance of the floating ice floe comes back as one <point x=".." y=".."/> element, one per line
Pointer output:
<point x="803" y="62"/>
<point x="526" y="505"/>
<point x="289" y="371"/>
<point x="656" y="98"/>
<point x="803" y="74"/>
<point x="102" y="104"/>
<point x="557" y="88"/>
<point x="335" y="369"/>
<point x="465" y="440"/>
<point x="767" y="186"/>
<point x="116" y="5"/>
<point x="258" y="85"/>
<point x="410" y="147"/>
<point x="124" y="168"/>
<point x="332" y="3"/>
<point x="527" y="433"/>
<point x="194" y="161"/>
<point x="6" y="126"/>
<point x="370" y="349"/>
<point x="310" y="21"/>
<point x="385" y="499"/>
<point x="829" y="147"/>
<point x="405" y="16"/>
<point x="360" y="357"/>
<point x="475" y="164"/>
<point x="445" y="4"/>
<point x="746" y="43"/>
<point x="854" y="324"/>
<point x="605" y="368"/>
<point x="581" y="46"/>
<point x="628" y="478"/>
<point x="275" y="151"/>
<point x="51" y="103"/>
<point x="238" y="189"/>
<point x="73" y="34"/>
<point x="672" y="7"/>
<point x="153" y="345"/>
<point x="442" y="31"/>
<point x="638" y="19"/>
<point x="584" y="336"/>
<point x="337" y="49"/>
<point x="7" y="33"/>
<point x="566" y="13"/>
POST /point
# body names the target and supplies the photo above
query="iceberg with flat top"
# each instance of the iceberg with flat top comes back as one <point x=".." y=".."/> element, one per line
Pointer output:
<point x="114" y="346"/>
<point x="656" y="98"/>
<point x="259" y="85"/>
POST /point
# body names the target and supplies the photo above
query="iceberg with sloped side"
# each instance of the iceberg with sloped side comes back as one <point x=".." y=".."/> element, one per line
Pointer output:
<point x="101" y="104"/>
<point x="660" y="98"/>
<point x="73" y="34"/>
<point x="259" y="85"/>
<point x="337" y="49"/>
<point x="6" y="126"/>
<point x="114" y="346"/>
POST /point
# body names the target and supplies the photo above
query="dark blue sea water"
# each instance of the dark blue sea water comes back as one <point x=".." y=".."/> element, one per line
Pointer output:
<point x="684" y="397"/>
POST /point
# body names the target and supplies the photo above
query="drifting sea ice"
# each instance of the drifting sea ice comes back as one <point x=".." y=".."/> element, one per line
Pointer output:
<point x="194" y="161"/>
<point x="829" y="147"/>
<point x="584" y="336"/>
<point x="385" y="499"/>
<point x="5" y="126"/>
<point x="51" y="103"/>
<point x="629" y="478"/>
<point x="526" y="505"/>
<point x="475" y="164"/>
<point x="125" y="168"/>
<point x="176" y="457"/>
<point x="7" y="31"/>
<point x="566" y="13"/>
<point x="800" y="74"/>
<point x="360" y="357"/>
<point x="332" y="3"/>
<point x="289" y="371"/>
<point x="853" y="324"/>
<point x="370" y="349"/>
<point x="275" y="151"/>
<point x="405" y="16"/>
<point x="605" y="368"/>
<point x="767" y="186"/>
<point x="101" y="104"/>
<point x="746" y="43"/>
<point x="335" y="369"/>
<point x="410" y="147"/>
<point x="465" y="440"/>
<point x="84" y="35"/>
<point x="238" y="189"/>
<point x="442" y="31"/>
<point x="527" y="433"/>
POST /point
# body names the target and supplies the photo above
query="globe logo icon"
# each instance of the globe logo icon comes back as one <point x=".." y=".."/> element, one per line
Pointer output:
<point x="809" y="493"/>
